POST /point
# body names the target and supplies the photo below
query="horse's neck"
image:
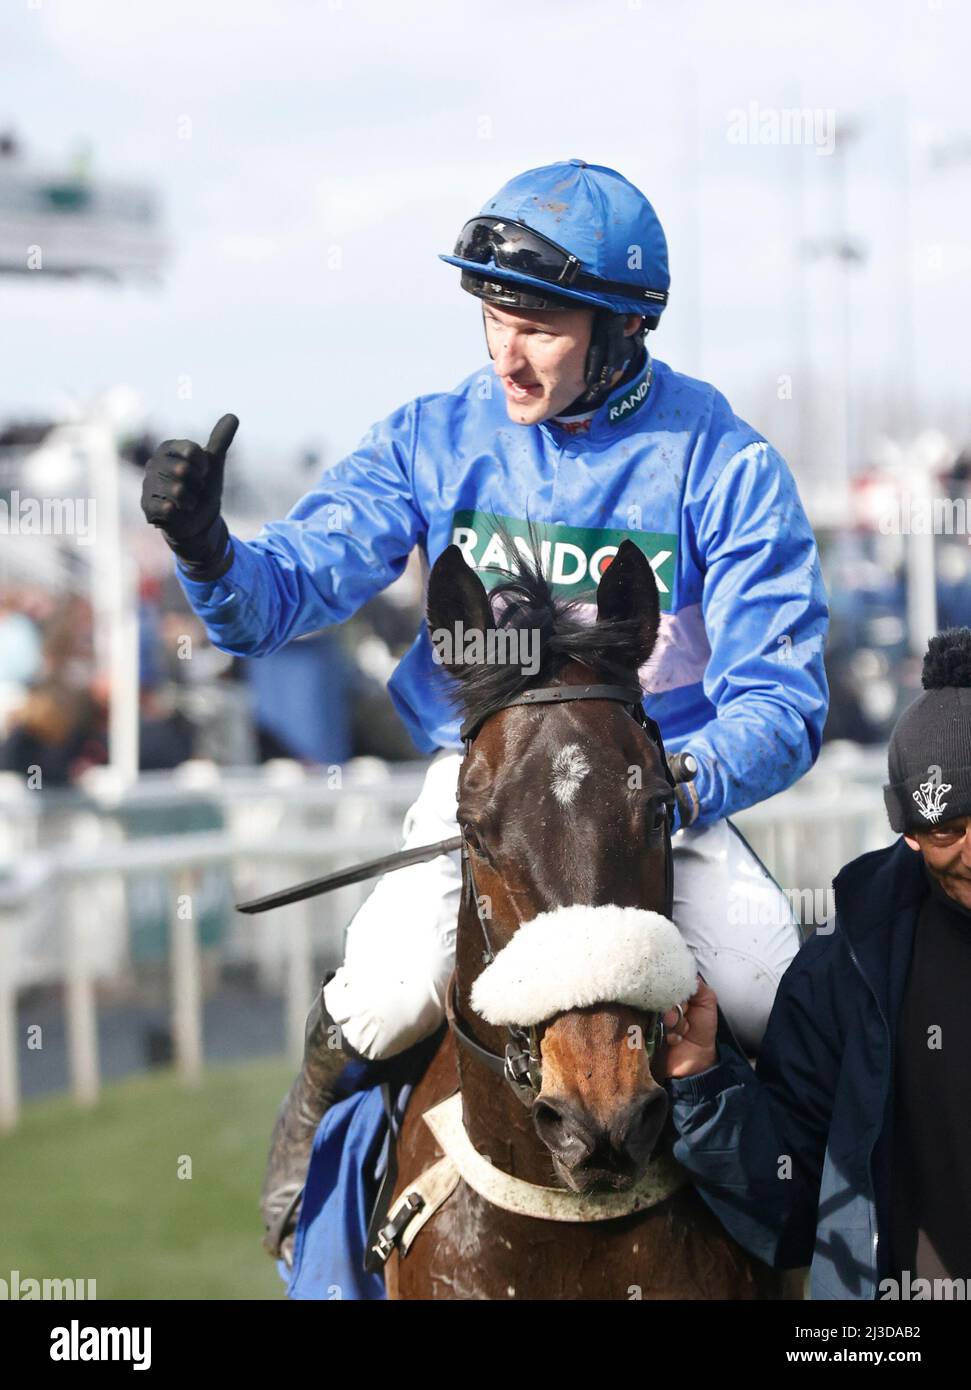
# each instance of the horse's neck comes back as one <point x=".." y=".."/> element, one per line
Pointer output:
<point x="498" y="1124"/>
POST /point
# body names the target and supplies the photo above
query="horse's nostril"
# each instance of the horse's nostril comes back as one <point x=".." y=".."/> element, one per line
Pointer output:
<point x="591" y="1152"/>
<point x="562" y="1131"/>
<point x="545" y="1116"/>
<point x="637" y="1130"/>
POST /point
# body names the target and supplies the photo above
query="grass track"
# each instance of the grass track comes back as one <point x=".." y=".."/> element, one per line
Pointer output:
<point x="97" y="1194"/>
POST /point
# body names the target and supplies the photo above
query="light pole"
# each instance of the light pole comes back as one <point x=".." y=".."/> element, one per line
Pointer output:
<point x="846" y="255"/>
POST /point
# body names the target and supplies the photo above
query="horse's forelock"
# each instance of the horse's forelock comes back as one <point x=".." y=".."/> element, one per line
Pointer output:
<point x="523" y="599"/>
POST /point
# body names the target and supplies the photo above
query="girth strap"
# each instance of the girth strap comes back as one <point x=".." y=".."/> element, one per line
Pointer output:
<point x="416" y="1205"/>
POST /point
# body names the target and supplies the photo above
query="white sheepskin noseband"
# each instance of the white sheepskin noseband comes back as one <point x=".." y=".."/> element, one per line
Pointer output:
<point x="575" y="956"/>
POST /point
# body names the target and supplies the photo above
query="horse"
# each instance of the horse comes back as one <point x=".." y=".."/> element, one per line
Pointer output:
<point x="534" y="1156"/>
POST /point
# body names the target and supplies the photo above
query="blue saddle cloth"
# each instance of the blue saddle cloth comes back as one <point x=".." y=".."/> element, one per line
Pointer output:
<point x="349" y="1158"/>
<point x="329" y="1245"/>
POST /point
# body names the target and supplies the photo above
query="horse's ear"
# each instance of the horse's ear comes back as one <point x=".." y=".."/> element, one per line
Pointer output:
<point x="455" y="594"/>
<point x="628" y="589"/>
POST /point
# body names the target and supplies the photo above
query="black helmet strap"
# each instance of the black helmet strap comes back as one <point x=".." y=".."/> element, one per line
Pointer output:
<point x="611" y="350"/>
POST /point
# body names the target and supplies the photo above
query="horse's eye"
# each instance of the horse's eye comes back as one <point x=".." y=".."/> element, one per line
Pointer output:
<point x="659" y="816"/>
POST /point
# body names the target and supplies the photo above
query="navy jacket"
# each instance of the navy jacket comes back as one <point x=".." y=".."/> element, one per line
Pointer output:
<point x="794" y="1157"/>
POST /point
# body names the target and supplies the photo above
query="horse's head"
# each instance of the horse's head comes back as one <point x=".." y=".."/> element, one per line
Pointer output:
<point x="564" y="809"/>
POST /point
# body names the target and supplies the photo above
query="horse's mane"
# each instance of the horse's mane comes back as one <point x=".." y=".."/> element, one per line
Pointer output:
<point x="614" y="648"/>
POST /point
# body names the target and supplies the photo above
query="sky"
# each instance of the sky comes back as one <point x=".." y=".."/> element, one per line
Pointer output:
<point x="312" y="158"/>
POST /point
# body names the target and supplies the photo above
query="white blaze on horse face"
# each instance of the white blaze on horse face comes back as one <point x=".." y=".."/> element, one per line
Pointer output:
<point x="569" y="769"/>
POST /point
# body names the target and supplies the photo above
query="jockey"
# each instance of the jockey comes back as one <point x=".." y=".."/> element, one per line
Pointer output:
<point x="580" y="430"/>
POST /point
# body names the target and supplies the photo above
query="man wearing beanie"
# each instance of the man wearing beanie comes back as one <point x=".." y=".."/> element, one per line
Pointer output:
<point x="847" y="1147"/>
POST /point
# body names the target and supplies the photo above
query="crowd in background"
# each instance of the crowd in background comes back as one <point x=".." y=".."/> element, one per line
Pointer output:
<point x="322" y="699"/>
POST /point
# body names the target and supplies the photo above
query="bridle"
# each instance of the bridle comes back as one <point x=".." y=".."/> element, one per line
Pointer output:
<point x="520" y="1065"/>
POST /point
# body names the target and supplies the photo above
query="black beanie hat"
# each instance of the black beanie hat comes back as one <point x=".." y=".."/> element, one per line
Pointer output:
<point x="929" y="759"/>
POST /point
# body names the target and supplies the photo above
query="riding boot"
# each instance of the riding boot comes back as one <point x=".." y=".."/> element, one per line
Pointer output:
<point x="297" y="1121"/>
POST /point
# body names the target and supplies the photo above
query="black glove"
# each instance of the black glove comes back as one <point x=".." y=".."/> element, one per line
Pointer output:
<point x="181" y="495"/>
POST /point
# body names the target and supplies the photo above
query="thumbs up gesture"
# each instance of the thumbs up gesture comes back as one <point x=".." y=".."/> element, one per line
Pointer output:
<point x="181" y="495"/>
<point x="183" y="485"/>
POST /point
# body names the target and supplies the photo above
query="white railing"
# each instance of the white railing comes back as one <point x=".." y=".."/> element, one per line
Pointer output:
<point x="64" y="913"/>
<point x="65" y="899"/>
<point x="67" y="882"/>
<point x="276" y="793"/>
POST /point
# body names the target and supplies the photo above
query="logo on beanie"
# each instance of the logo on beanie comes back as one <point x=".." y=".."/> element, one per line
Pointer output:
<point x="930" y="799"/>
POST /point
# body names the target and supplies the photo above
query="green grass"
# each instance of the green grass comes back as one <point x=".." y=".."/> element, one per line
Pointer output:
<point x="96" y="1194"/>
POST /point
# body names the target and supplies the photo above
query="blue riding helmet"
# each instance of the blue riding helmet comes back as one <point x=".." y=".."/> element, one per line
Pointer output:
<point x="572" y="232"/>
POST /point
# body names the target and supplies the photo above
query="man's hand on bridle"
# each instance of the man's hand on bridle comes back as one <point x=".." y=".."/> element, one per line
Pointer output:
<point x="689" y="1034"/>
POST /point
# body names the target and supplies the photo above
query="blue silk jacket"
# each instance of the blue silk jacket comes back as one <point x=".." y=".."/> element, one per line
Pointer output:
<point x="737" y="674"/>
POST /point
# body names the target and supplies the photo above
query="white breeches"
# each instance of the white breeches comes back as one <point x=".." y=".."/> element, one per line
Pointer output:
<point x="400" y="946"/>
